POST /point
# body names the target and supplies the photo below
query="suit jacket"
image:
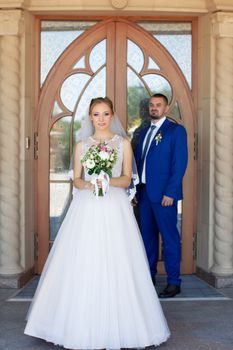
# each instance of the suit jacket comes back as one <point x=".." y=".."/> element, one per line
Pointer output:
<point x="166" y="161"/>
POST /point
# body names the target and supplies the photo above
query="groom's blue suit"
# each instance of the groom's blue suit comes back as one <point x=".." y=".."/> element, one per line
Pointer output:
<point x="166" y="163"/>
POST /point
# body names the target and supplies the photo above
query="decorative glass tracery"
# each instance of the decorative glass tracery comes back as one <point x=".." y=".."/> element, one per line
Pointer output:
<point x="87" y="79"/>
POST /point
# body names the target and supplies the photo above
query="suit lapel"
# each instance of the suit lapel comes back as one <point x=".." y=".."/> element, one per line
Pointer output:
<point x="162" y="131"/>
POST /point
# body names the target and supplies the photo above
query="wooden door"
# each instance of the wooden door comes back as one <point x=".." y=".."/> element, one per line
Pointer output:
<point x="98" y="63"/>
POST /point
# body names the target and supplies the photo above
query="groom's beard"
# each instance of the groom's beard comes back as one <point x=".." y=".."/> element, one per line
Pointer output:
<point x="155" y="116"/>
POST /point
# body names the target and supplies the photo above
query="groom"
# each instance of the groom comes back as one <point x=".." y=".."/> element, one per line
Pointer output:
<point x="161" y="157"/>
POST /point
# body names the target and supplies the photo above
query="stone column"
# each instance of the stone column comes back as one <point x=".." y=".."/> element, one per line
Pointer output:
<point x="10" y="31"/>
<point x="223" y="184"/>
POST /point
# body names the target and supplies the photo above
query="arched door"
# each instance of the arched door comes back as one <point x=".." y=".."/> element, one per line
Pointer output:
<point x="113" y="58"/>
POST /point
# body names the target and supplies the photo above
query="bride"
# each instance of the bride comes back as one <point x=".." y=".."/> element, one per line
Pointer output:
<point x="96" y="291"/>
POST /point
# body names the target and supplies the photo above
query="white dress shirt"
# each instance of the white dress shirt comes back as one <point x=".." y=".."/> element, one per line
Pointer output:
<point x="158" y="124"/>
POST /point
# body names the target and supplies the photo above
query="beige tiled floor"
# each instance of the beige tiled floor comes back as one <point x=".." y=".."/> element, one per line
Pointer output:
<point x="201" y="324"/>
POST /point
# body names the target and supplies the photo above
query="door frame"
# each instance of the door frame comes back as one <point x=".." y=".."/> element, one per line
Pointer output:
<point x="105" y="28"/>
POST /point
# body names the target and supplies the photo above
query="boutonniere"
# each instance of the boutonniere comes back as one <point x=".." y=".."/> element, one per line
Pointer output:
<point x="158" y="138"/>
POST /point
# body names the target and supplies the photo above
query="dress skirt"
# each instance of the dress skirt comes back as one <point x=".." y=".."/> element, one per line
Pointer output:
<point x="95" y="291"/>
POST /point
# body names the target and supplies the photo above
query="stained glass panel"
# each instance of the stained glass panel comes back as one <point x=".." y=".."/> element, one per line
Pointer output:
<point x="157" y="83"/>
<point x="135" y="56"/>
<point x="60" y="196"/>
<point x="95" y="88"/>
<point x="60" y="149"/>
<point x="176" y="37"/>
<point x="71" y="89"/>
<point x="137" y="102"/>
<point x="55" y="37"/>
<point x="98" y="56"/>
<point x="152" y="64"/>
<point x="56" y="109"/>
<point x="80" y="63"/>
<point x="176" y="111"/>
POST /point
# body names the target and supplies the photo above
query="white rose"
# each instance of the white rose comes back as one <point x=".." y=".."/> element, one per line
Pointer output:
<point x="90" y="163"/>
<point x="104" y="155"/>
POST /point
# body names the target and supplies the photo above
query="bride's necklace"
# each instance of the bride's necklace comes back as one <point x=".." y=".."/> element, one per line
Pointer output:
<point x="102" y="139"/>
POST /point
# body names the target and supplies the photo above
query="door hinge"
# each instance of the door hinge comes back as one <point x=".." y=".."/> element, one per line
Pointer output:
<point x="195" y="146"/>
<point x="35" y="145"/>
<point x="36" y="246"/>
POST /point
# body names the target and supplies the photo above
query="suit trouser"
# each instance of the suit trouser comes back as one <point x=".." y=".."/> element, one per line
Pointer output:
<point x="155" y="218"/>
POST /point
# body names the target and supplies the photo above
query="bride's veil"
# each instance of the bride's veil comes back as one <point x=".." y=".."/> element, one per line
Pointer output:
<point x="116" y="127"/>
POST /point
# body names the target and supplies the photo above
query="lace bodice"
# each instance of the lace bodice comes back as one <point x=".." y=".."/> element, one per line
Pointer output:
<point x="115" y="142"/>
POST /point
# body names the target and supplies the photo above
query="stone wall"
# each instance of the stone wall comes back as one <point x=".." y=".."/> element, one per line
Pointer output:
<point x="16" y="163"/>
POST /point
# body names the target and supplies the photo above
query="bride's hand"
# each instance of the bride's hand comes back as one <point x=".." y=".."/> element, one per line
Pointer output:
<point x="89" y="186"/>
<point x="99" y="183"/>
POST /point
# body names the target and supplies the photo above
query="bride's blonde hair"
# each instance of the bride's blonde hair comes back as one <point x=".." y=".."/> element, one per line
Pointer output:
<point x="98" y="100"/>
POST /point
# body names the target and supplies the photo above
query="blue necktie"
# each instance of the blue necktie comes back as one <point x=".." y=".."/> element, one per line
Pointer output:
<point x="145" y="149"/>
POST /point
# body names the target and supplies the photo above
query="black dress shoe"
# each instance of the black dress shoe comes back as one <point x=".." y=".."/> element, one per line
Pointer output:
<point x="170" y="291"/>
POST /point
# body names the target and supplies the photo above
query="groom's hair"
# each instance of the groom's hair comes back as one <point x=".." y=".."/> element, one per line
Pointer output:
<point x="97" y="100"/>
<point x="161" y="96"/>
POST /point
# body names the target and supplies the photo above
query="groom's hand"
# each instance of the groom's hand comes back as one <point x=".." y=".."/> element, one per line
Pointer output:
<point x="167" y="201"/>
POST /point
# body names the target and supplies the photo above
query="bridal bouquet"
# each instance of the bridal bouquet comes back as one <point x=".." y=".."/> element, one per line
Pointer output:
<point x="99" y="161"/>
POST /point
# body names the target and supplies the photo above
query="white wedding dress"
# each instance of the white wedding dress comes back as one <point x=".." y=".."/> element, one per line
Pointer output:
<point x="95" y="291"/>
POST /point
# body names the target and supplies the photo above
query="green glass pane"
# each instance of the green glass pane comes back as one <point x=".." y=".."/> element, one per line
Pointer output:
<point x="60" y="149"/>
<point x="175" y="111"/>
<point x="60" y="197"/>
<point x="138" y="101"/>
